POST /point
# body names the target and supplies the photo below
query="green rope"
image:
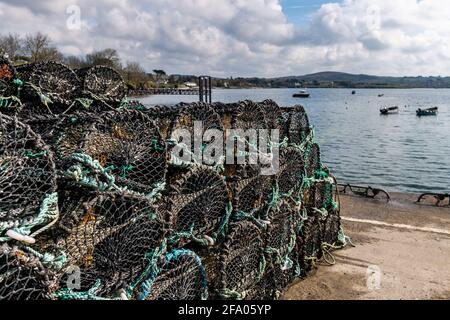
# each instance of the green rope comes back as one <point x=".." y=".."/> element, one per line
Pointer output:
<point x="91" y="294"/>
<point x="48" y="215"/>
<point x="31" y="155"/>
<point x="49" y="260"/>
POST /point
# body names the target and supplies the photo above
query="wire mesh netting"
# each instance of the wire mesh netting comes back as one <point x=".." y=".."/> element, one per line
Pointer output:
<point x="27" y="174"/>
<point x="50" y="83"/>
<point x="7" y="76"/>
<point x="101" y="83"/>
<point x="242" y="259"/>
<point x="93" y="207"/>
<point x="298" y="125"/>
<point x="23" y="277"/>
<point x="128" y="143"/>
<point x="108" y="237"/>
<point x="196" y="119"/>
<point x="291" y="172"/>
<point x="197" y="200"/>
<point x="181" y="277"/>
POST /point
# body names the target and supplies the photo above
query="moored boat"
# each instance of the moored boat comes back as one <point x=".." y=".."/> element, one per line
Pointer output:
<point x="301" y="94"/>
<point x="427" y="112"/>
<point x="390" y="110"/>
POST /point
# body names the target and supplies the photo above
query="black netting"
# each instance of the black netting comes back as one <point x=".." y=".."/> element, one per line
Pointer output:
<point x="49" y="83"/>
<point x="250" y="190"/>
<point x="310" y="244"/>
<point x="7" y="76"/>
<point x="107" y="237"/>
<point x="265" y="289"/>
<point x="323" y="198"/>
<point x="27" y="171"/>
<point x="23" y="277"/>
<point x="280" y="237"/>
<point x="331" y="229"/>
<point x="197" y="200"/>
<point x="181" y="277"/>
<point x="291" y="172"/>
<point x="274" y="116"/>
<point x="102" y="83"/>
<point x="197" y="118"/>
<point x="312" y="159"/>
<point x="128" y="144"/>
<point x="298" y="127"/>
<point x="242" y="258"/>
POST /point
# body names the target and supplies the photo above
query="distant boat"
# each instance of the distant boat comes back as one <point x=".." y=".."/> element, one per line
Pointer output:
<point x="391" y="110"/>
<point x="427" y="112"/>
<point x="301" y="94"/>
<point x="353" y="92"/>
<point x="381" y="95"/>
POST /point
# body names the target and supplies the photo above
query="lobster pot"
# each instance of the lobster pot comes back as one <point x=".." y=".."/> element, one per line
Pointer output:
<point x="128" y="144"/>
<point x="291" y="172"/>
<point x="331" y="229"/>
<point x="57" y="82"/>
<point x="274" y="118"/>
<point x="312" y="159"/>
<point x="242" y="260"/>
<point x="280" y="242"/>
<point x="265" y="289"/>
<point x="27" y="172"/>
<point x="308" y="245"/>
<point x="191" y="126"/>
<point x="7" y="76"/>
<point x="23" y="277"/>
<point x="298" y="128"/>
<point x="280" y="237"/>
<point x="180" y="277"/>
<point x="102" y="84"/>
<point x="108" y="237"/>
<point x="324" y="196"/>
<point x="250" y="191"/>
<point x="196" y="200"/>
<point x="164" y="117"/>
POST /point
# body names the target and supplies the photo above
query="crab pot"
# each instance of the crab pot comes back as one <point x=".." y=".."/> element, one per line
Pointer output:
<point x="331" y="229"/>
<point x="313" y="161"/>
<point x="242" y="260"/>
<point x="51" y="79"/>
<point x="291" y="171"/>
<point x="274" y="117"/>
<point x="297" y="124"/>
<point x="198" y="119"/>
<point x="181" y="276"/>
<point x="7" y="76"/>
<point x="129" y="144"/>
<point x="308" y="245"/>
<point x="108" y="236"/>
<point x="196" y="199"/>
<point x="265" y="289"/>
<point x="27" y="174"/>
<point x="102" y="84"/>
<point x="23" y="276"/>
<point x="249" y="191"/>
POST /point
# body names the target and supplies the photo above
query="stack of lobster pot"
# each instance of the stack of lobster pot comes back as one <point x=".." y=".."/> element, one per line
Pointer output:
<point x="102" y="198"/>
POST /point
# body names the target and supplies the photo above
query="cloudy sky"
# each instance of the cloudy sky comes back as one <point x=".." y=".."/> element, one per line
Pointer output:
<point x="248" y="37"/>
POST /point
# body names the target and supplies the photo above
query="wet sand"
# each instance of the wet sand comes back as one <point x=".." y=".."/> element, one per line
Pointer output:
<point x="407" y="244"/>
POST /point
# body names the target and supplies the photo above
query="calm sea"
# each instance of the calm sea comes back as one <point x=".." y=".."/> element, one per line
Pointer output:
<point x="397" y="152"/>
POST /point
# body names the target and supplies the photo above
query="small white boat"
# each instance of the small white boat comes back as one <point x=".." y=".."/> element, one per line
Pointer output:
<point x="302" y="94"/>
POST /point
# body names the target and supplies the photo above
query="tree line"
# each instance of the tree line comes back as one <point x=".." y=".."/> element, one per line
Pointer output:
<point x="38" y="47"/>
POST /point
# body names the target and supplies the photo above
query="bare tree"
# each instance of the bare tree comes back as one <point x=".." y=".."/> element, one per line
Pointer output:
<point x="75" y="62"/>
<point x="38" y="47"/>
<point x="108" y="57"/>
<point x="11" y="45"/>
<point x="134" y="74"/>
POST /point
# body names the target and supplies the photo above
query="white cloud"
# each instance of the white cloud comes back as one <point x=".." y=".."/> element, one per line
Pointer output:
<point x="249" y="37"/>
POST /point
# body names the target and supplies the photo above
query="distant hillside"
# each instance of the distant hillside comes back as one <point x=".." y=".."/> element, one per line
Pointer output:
<point x="339" y="80"/>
